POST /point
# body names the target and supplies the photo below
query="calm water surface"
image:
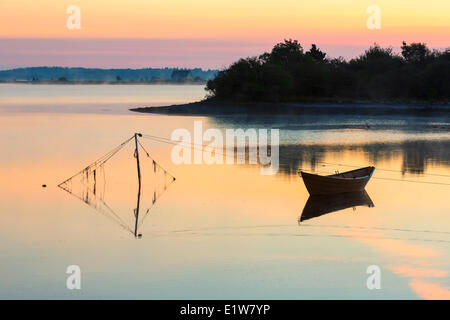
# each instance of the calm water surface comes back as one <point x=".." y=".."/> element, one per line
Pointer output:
<point x="218" y="231"/>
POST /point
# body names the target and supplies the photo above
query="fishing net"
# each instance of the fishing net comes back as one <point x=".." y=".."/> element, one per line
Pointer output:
<point x="123" y="185"/>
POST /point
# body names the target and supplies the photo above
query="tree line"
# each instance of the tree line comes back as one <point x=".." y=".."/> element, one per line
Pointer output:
<point x="288" y="73"/>
<point x="64" y="74"/>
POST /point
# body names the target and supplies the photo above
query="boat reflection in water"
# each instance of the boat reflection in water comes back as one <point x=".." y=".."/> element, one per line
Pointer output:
<point x="318" y="205"/>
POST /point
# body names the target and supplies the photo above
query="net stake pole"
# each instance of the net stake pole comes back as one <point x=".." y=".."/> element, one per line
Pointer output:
<point x="139" y="183"/>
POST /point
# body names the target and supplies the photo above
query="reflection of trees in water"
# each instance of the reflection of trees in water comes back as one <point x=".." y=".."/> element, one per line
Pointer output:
<point x="417" y="155"/>
<point x="295" y="157"/>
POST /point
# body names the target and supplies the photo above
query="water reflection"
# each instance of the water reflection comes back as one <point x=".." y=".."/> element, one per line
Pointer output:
<point x="416" y="155"/>
<point x="90" y="185"/>
<point x="318" y="205"/>
<point x="250" y="219"/>
<point x="305" y="140"/>
<point x="95" y="199"/>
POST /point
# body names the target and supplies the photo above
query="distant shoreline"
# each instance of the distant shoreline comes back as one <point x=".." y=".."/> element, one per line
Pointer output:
<point x="79" y="75"/>
<point x="208" y="107"/>
<point x="152" y="82"/>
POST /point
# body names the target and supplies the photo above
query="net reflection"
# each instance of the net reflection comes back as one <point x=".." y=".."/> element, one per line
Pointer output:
<point x="107" y="186"/>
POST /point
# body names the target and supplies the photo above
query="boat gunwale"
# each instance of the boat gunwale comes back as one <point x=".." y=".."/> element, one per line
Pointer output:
<point x="335" y="176"/>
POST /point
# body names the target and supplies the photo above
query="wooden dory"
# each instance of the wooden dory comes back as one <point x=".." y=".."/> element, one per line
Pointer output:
<point x="350" y="181"/>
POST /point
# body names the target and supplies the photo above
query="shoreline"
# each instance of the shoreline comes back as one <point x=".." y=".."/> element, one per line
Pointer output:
<point x="70" y="82"/>
<point x="207" y="107"/>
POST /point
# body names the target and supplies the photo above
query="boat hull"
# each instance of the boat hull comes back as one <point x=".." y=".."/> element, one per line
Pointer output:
<point x="319" y="185"/>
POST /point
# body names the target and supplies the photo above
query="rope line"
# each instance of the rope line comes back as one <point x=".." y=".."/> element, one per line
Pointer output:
<point x="309" y="225"/>
<point x="391" y="179"/>
<point x="305" y="235"/>
<point x="100" y="160"/>
<point x="382" y="169"/>
<point x="192" y="145"/>
<point x="154" y="161"/>
<point x="327" y="163"/>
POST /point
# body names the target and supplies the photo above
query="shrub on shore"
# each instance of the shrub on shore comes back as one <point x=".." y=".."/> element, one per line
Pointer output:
<point x="287" y="73"/>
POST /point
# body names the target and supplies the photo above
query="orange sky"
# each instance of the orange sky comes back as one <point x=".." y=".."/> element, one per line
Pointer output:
<point x="323" y="19"/>
<point x="325" y="22"/>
